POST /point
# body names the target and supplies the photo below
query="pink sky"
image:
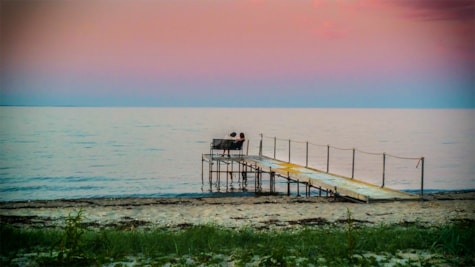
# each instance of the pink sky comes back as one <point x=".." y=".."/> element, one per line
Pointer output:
<point x="175" y="48"/>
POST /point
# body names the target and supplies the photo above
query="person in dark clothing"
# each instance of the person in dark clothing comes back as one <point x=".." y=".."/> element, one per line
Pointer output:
<point x="239" y="141"/>
<point x="228" y="142"/>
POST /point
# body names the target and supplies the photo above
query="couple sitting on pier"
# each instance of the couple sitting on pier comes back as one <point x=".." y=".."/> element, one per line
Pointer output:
<point x="233" y="142"/>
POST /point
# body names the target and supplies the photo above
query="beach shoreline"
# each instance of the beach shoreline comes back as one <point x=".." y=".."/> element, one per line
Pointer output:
<point x="259" y="212"/>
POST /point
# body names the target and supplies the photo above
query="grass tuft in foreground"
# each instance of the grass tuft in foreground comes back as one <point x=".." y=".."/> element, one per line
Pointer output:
<point x="209" y="244"/>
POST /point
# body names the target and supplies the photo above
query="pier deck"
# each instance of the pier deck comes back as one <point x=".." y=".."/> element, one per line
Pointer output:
<point x="336" y="184"/>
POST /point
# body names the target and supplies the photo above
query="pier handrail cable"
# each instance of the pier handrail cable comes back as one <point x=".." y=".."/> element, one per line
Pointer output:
<point x="340" y="148"/>
<point x="370" y="153"/>
<point x="420" y="159"/>
<point x="399" y="157"/>
<point x="313" y="144"/>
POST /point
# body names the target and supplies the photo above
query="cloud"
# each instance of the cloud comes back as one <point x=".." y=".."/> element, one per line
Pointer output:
<point x="460" y="10"/>
<point x="455" y="18"/>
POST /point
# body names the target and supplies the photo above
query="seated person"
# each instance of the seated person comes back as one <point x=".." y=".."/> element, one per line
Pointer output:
<point x="239" y="141"/>
<point x="228" y="143"/>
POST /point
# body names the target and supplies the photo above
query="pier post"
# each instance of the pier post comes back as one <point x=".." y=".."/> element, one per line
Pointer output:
<point x="288" y="184"/>
<point x="227" y="176"/>
<point x="261" y="173"/>
<point x="258" y="180"/>
<point x="218" y="179"/>
<point x="232" y="171"/>
<point x="298" y="187"/>
<point x="272" y="181"/>
<point x="244" y="174"/>
<point x="239" y="173"/>
<point x="256" y="177"/>
<point x="210" y="176"/>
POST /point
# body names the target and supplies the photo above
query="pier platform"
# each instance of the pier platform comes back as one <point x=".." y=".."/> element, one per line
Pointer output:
<point x="333" y="184"/>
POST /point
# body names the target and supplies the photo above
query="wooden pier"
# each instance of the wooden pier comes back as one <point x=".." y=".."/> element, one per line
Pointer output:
<point x="259" y="173"/>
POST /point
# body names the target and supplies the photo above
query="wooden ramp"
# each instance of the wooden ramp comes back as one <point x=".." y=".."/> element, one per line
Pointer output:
<point x="338" y="185"/>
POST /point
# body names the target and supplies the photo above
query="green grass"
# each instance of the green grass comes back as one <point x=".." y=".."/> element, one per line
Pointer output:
<point x="336" y="244"/>
<point x="74" y="245"/>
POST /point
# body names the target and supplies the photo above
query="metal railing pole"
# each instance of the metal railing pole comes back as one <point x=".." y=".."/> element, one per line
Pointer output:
<point x="260" y="147"/>
<point x="306" y="154"/>
<point x="289" y="150"/>
<point x="422" y="177"/>
<point x="353" y="165"/>
<point x="384" y="168"/>
<point x="328" y="158"/>
<point x="275" y="145"/>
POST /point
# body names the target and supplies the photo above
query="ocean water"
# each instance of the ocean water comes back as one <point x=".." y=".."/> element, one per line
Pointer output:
<point x="73" y="152"/>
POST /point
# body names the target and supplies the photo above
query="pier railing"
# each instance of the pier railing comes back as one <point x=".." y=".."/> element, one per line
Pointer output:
<point x="345" y="161"/>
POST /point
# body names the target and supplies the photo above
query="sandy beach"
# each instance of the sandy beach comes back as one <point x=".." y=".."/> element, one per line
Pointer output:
<point x="263" y="212"/>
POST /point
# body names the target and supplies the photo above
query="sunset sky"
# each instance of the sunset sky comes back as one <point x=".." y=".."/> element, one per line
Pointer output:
<point x="242" y="53"/>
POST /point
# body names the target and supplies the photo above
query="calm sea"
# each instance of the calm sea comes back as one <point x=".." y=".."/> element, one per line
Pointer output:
<point x="70" y="152"/>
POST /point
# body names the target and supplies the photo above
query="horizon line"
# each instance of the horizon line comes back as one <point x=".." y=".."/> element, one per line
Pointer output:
<point x="211" y="106"/>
